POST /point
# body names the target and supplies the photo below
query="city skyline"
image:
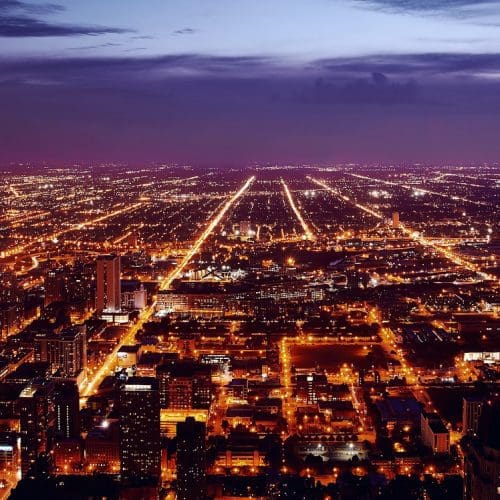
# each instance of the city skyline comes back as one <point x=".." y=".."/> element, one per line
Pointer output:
<point x="249" y="249"/>
<point x="277" y="332"/>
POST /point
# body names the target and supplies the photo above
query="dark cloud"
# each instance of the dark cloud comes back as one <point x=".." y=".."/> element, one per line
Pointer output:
<point x="185" y="31"/>
<point x="431" y="67"/>
<point x="379" y="78"/>
<point x="21" y="19"/>
<point x="201" y="109"/>
<point x="438" y="66"/>
<point x="42" y="8"/>
<point x="97" y="46"/>
<point x="20" y="27"/>
<point x="455" y="8"/>
<point x="129" y="70"/>
<point x="424" y="4"/>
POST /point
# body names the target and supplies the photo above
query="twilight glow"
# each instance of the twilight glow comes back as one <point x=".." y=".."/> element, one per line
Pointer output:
<point x="333" y="80"/>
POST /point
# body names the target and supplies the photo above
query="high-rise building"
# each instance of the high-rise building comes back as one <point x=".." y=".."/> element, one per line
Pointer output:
<point x="108" y="291"/>
<point x="67" y="410"/>
<point x="163" y="378"/>
<point x="139" y="407"/>
<point x="434" y="433"/>
<point x="54" y="285"/>
<point x="191" y="467"/>
<point x="471" y="411"/>
<point x="395" y="220"/>
<point x="8" y="319"/>
<point x="482" y="456"/>
<point x="36" y="411"/>
<point x="66" y="351"/>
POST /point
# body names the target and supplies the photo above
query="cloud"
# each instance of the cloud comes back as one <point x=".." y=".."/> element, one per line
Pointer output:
<point x="428" y="66"/>
<point x="97" y="46"/>
<point x="128" y="70"/>
<point x="455" y="8"/>
<point x="185" y="31"/>
<point x="20" y="19"/>
<point x="42" y="8"/>
<point x="196" y="108"/>
<point x="20" y="27"/>
<point x="376" y="75"/>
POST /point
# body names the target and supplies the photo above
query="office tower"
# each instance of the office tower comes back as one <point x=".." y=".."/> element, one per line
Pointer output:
<point x="482" y="456"/>
<point x="108" y="291"/>
<point x="191" y="481"/>
<point x="471" y="411"/>
<point x="36" y="410"/>
<point x="54" y="285"/>
<point x="67" y="410"/>
<point x="434" y="433"/>
<point x="139" y="407"/>
<point x="395" y="220"/>
<point x="8" y="319"/>
<point x="66" y="351"/>
<point x="163" y="378"/>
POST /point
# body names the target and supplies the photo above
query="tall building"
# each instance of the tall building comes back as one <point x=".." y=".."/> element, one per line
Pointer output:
<point x="471" y="411"/>
<point x="108" y="291"/>
<point x="482" y="457"/>
<point x="191" y="467"/>
<point x="36" y="410"/>
<point x="66" y="351"/>
<point x="139" y="407"/>
<point x="54" y="285"/>
<point x="67" y="410"/>
<point x="8" y="319"/>
<point x="434" y="433"/>
<point x="395" y="220"/>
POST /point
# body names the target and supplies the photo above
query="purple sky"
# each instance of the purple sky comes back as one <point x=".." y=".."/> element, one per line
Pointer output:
<point x="240" y="81"/>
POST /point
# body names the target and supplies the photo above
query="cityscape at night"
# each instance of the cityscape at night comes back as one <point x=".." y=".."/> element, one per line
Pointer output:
<point x="250" y="250"/>
<point x="266" y="332"/>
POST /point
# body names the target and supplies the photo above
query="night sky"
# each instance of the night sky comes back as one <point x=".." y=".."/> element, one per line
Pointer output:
<point x="242" y="81"/>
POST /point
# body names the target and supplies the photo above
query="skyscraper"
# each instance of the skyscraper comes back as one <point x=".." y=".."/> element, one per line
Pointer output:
<point x="139" y="406"/>
<point x="395" y="220"/>
<point x="67" y="410"/>
<point x="54" y="286"/>
<point x="191" y="484"/>
<point x="36" y="410"/>
<point x="482" y="456"/>
<point x="66" y="352"/>
<point x="108" y="291"/>
<point x="471" y="411"/>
